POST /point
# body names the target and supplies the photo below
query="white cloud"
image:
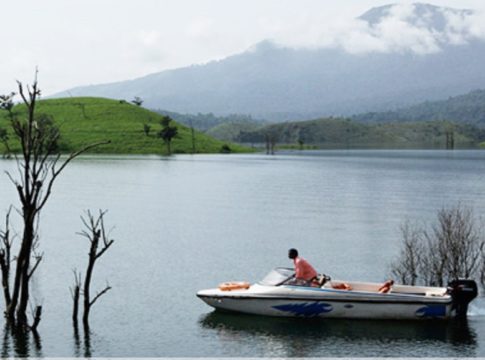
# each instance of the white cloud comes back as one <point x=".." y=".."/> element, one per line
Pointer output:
<point x="200" y="28"/>
<point x="399" y="30"/>
<point x="149" y="37"/>
<point x="464" y="27"/>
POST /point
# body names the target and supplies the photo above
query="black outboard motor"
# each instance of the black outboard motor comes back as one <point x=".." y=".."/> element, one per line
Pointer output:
<point x="462" y="292"/>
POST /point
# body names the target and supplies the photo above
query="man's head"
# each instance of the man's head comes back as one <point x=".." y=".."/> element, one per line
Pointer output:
<point x="292" y="253"/>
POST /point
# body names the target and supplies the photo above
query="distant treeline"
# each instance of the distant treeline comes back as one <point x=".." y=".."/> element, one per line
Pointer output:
<point x="205" y="122"/>
<point x="346" y="133"/>
<point x="468" y="108"/>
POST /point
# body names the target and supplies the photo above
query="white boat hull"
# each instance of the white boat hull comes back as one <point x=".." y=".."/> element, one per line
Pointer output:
<point x="331" y="309"/>
<point x="291" y="301"/>
<point x="277" y="295"/>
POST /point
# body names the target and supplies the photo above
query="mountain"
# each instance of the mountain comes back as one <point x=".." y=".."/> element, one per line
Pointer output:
<point x="468" y="108"/>
<point x="396" y="56"/>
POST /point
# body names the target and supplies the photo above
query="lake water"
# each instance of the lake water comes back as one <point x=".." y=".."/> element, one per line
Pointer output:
<point x="186" y="223"/>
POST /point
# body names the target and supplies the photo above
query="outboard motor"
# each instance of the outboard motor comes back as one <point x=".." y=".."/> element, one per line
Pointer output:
<point x="462" y="292"/>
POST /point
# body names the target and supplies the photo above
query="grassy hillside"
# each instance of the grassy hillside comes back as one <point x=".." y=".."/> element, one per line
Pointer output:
<point x="345" y="133"/>
<point x="85" y="120"/>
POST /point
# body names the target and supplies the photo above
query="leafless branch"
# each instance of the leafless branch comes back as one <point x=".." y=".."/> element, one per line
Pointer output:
<point x="38" y="259"/>
<point x="99" y="294"/>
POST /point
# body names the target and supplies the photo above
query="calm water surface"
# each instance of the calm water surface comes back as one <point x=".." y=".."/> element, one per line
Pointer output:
<point x="190" y="222"/>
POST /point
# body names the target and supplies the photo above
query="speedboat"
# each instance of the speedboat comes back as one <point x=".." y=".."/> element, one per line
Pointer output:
<point x="278" y="294"/>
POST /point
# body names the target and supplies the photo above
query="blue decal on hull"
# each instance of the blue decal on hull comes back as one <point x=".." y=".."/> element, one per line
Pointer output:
<point x="305" y="309"/>
<point x="431" y="311"/>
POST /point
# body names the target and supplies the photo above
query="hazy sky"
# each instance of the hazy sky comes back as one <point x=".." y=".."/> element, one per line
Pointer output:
<point x="81" y="42"/>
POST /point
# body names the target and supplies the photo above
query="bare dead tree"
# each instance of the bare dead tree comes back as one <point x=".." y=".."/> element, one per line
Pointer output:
<point x="454" y="245"/>
<point x="465" y="245"/>
<point x="271" y="138"/>
<point x="5" y="257"/>
<point x="434" y="258"/>
<point x="96" y="234"/>
<point x="482" y="270"/>
<point x="407" y="266"/>
<point x="75" y="294"/>
<point x="39" y="163"/>
<point x="452" y="248"/>
<point x="36" y="316"/>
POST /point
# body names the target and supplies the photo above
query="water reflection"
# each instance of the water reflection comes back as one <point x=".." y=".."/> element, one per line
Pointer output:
<point x="19" y="343"/>
<point x="82" y="349"/>
<point x="310" y="337"/>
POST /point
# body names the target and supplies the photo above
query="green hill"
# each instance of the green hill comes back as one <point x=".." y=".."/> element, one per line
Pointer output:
<point x="345" y="133"/>
<point x="466" y="109"/>
<point x="85" y="120"/>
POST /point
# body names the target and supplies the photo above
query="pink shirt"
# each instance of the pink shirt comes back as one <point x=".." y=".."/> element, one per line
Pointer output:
<point x="303" y="269"/>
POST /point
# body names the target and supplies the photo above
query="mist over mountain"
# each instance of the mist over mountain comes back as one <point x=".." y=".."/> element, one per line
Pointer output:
<point x="391" y="56"/>
<point x="420" y="15"/>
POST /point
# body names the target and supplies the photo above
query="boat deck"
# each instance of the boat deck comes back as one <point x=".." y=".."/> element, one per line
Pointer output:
<point x="395" y="289"/>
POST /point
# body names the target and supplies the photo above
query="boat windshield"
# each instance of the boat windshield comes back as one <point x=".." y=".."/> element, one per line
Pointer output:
<point x="277" y="276"/>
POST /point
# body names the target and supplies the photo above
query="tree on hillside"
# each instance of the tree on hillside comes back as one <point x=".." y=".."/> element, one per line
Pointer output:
<point x="137" y="101"/>
<point x="6" y="104"/>
<point x="3" y="139"/>
<point x="146" y="129"/>
<point x="168" y="132"/>
<point x="192" y="135"/>
<point x="39" y="164"/>
<point x="301" y="143"/>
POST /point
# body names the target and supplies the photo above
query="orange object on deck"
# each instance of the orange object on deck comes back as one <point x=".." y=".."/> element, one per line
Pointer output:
<point x="234" y="285"/>
<point x="342" y="286"/>
<point x="384" y="289"/>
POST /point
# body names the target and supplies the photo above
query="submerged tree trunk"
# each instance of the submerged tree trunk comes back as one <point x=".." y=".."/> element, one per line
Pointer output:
<point x="38" y="165"/>
<point x="87" y="280"/>
<point x="5" y="251"/>
<point x="75" y="293"/>
<point x="96" y="234"/>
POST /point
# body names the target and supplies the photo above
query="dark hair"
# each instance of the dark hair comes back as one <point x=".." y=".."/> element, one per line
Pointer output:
<point x="292" y="253"/>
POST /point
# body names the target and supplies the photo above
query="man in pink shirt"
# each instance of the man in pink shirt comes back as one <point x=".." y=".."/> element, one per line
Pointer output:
<point x="303" y="269"/>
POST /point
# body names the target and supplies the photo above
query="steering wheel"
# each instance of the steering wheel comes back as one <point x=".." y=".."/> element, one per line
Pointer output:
<point x="324" y="279"/>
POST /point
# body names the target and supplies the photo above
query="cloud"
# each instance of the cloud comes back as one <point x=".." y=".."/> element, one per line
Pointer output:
<point x="149" y="37"/>
<point x="464" y="27"/>
<point x="201" y="27"/>
<point x="402" y="28"/>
